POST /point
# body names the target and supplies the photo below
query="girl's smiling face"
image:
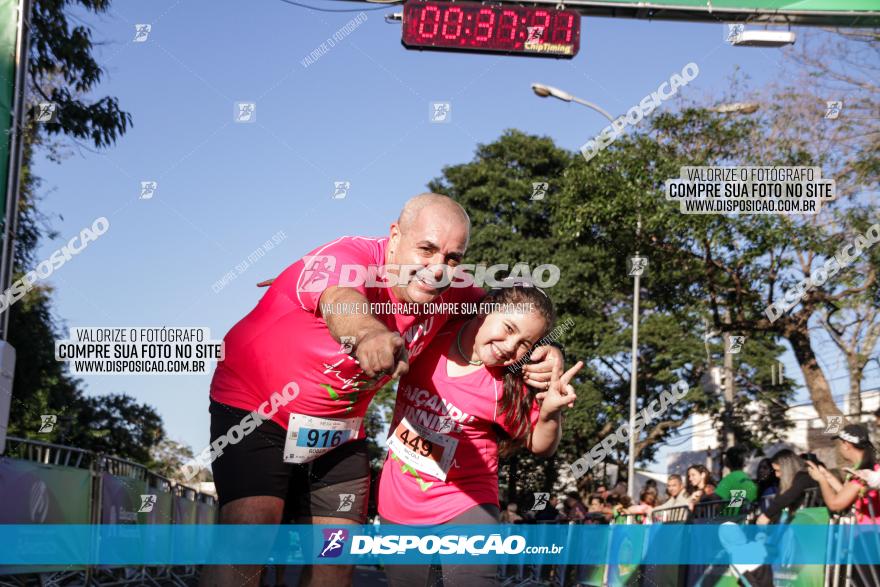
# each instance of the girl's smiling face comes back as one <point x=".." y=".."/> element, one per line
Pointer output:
<point x="504" y="337"/>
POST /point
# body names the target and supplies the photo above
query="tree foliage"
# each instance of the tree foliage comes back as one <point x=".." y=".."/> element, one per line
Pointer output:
<point x="586" y="226"/>
<point x="62" y="69"/>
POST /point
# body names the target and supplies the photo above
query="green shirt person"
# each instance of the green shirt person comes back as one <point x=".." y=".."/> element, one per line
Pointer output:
<point x="737" y="479"/>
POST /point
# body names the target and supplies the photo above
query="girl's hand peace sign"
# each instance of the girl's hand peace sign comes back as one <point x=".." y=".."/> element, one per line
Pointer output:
<point x="561" y="393"/>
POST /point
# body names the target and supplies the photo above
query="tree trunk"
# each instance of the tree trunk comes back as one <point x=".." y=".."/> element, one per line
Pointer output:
<point x="855" y="386"/>
<point x="550" y="474"/>
<point x="512" y="476"/>
<point x="817" y="384"/>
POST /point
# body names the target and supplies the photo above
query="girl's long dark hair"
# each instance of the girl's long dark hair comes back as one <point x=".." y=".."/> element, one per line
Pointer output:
<point x="766" y="476"/>
<point x="514" y="404"/>
<point x="703" y="471"/>
<point x="869" y="458"/>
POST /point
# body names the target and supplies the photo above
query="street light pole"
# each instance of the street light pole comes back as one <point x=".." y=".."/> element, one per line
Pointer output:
<point x="545" y="91"/>
<point x="633" y="377"/>
<point x="729" y="436"/>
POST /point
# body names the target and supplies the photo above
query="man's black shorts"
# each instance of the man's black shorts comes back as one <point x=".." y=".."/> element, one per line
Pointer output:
<point x="336" y="484"/>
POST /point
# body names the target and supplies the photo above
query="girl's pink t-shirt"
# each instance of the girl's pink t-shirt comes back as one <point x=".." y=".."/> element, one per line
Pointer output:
<point x="463" y="408"/>
<point x="285" y="338"/>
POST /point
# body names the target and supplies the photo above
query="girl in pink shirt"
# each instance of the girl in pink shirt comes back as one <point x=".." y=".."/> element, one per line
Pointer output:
<point x="460" y="406"/>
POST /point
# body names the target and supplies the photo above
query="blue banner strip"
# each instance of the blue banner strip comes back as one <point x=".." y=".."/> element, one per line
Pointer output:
<point x="133" y="544"/>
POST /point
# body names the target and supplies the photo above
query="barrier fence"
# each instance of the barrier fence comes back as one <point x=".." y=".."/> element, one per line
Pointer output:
<point x="42" y="483"/>
<point x="623" y="568"/>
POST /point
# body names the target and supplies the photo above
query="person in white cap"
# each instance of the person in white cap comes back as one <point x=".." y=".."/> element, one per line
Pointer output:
<point x="855" y="447"/>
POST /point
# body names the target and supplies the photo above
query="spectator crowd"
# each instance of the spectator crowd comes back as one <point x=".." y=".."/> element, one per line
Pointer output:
<point x="782" y="484"/>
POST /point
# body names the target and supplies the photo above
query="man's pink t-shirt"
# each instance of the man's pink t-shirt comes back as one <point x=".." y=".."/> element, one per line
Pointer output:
<point x="284" y="338"/>
<point x="466" y="408"/>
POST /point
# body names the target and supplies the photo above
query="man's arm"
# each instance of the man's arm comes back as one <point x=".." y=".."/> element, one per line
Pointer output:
<point x="538" y="374"/>
<point x="377" y="349"/>
<point x="669" y="503"/>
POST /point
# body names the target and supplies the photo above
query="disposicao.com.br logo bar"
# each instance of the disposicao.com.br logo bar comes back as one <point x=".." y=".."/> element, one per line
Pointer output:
<point x="141" y="543"/>
<point x="474" y="545"/>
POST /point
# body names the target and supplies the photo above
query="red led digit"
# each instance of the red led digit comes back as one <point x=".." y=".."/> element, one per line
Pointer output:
<point x="541" y="18"/>
<point x="538" y="31"/>
<point x="487" y="26"/>
<point x="423" y="19"/>
<point x="446" y="22"/>
<point x="564" y="29"/>
<point x="511" y="26"/>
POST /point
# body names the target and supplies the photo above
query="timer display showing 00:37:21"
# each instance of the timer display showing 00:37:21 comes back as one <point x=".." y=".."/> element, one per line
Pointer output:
<point x="477" y="27"/>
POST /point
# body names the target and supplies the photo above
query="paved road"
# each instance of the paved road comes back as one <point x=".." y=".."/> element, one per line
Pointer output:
<point x="363" y="577"/>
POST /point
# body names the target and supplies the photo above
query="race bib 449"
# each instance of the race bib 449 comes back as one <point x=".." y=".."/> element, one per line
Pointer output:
<point x="425" y="450"/>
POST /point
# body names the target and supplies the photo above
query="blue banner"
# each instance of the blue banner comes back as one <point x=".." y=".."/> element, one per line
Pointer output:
<point x="625" y="545"/>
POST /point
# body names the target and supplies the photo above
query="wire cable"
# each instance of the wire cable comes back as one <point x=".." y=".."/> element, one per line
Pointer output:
<point x="385" y="5"/>
<point x="678" y="432"/>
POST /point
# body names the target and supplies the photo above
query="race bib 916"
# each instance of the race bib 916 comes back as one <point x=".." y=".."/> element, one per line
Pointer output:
<point x="309" y="437"/>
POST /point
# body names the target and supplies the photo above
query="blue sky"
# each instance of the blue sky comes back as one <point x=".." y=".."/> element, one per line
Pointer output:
<point x="358" y="114"/>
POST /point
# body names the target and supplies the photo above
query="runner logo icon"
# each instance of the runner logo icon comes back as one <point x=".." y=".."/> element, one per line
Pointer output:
<point x="346" y="344"/>
<point x="46" y="111"/>
<point x="148" y="189"/>
<point x="441" y="112"/>
<point x="316" y="272"/>
<point x="535" y="34"/>
<point x="737" y="497"/>
<point x="834" y="423"/>
<point x="346" y="500"/>
<point x="541" y="500"/>
<point x="334" y="540"/>
<point x="147" y="503"/>
<point x="637" y="265"/>
<point x="47" y="423"/>
<point x="141" y="32"/>
<point x="832" y="109"/>
<point x="340" y="189"/>
<point x="736" y="343"/>
<point x="539" y="188"/>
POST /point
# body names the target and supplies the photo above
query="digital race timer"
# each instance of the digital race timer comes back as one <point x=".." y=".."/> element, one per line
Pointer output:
<point x="476" y="27"/>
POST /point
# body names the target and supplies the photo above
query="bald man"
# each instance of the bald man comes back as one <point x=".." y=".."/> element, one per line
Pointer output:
<point x="310" y="358"/>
